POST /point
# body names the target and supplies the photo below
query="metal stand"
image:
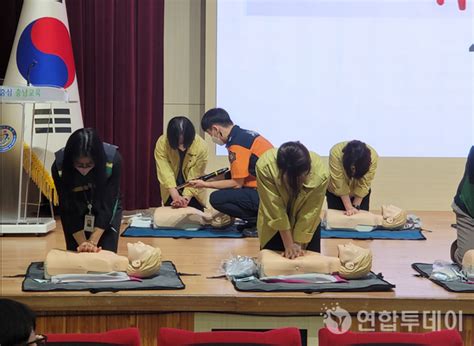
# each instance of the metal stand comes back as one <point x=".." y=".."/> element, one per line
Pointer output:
<point x="14" y="195"/>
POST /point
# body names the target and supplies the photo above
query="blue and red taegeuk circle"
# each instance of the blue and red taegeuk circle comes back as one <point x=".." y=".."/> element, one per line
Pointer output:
<point x="44" y="55"/>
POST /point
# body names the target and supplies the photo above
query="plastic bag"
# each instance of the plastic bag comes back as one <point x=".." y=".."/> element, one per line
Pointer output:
<point x="239" y="267"/>
<point x="413" y="222"/>
<point x="445" y="271"/>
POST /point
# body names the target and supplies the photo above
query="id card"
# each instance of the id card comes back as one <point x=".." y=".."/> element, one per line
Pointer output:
<point x="89" y="223"/>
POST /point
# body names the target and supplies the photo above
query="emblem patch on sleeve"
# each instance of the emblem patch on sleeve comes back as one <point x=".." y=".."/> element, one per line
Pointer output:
<point x="232" y="156"/>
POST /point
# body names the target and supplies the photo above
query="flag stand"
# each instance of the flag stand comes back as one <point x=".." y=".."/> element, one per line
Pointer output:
<point x="14" y="156"/>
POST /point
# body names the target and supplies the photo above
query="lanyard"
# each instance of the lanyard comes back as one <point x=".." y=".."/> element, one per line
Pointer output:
<point x="86" y="198"/>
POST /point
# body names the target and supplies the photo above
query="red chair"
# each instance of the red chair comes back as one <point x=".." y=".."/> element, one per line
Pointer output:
<point x="276" y="337"/>
<point x="439" y="338"/>
<point x="127" y="336"/>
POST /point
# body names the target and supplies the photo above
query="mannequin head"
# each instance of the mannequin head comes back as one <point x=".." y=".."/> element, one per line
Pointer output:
<point x="356" y="262"/>
<point x="393" y="217"/>
<point x="468" y="264"/>
<point x="144" y="260"/>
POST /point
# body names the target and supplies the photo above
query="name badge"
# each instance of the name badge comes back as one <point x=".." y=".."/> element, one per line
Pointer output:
<point x="89" y="223"/>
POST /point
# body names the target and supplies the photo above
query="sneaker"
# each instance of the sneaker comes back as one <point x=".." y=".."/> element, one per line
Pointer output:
<point x="246" y="226"/>
<point x="250" y="233"/>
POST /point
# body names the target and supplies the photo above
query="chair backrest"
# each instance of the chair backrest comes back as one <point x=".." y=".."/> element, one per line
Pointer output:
<point x="275" y="337"/>
<point x="438" y="338"/>
<point x="127" y="336"/>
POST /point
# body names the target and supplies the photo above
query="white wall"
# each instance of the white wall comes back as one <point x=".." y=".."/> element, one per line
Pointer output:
<point x="190" y="84"/>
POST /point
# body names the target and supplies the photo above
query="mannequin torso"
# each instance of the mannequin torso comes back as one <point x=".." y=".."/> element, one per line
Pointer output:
<point x="67" y="262"/>
<point x="274" y="264"/>
<point x="352" y="262"/>
<point x="392" y="217"/>
<point x="143" y="261"/>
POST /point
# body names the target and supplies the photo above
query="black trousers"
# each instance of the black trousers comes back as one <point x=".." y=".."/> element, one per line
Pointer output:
<point x="193" y="202"/>
<point x="242" y="203"/>
<point x="335" y="202"/>
<point x="109" y="239"/>
<point x="276" y="243"/>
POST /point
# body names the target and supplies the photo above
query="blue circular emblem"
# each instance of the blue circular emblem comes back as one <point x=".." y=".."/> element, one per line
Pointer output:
<point x="7" y="138"/>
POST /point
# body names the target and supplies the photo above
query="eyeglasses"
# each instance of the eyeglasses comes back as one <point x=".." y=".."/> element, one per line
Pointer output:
<point x="39" y="341"/>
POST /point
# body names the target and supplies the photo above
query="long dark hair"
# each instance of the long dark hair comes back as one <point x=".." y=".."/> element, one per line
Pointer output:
<point x="294" y="162"/>
<point x="83" y="143"/>
<point x="17" y="321"/>
<point x="356" y="159"/>
<point x="180" y="126"/>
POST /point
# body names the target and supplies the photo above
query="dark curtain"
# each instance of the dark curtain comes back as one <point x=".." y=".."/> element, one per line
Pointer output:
<point x="118" y="51"/>
<point x="118" y="47"/>
<point x="9" y="16"/>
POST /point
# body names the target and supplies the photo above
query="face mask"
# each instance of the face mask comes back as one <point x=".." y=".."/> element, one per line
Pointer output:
<point x="217" y="140"/>
<point x="84" y="171"/>
<point x="84" y="165"/>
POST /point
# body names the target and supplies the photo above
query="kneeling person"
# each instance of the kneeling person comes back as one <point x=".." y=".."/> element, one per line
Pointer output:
<point x="291" y="184"/>
<point x="180" y="155"/>
<point x="237" y="196"/>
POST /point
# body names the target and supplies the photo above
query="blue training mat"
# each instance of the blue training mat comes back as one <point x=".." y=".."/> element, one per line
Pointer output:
<point x="409" y="234"/>
<point x="230" y="232"/>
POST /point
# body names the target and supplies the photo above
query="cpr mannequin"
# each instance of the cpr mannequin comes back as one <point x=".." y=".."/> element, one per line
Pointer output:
<point x="392" y="218"/>
<point x="352" y="262"/>
<point x="468" y="264"/>
<point x="189" y="218"/>
<point x="143" y="261"/>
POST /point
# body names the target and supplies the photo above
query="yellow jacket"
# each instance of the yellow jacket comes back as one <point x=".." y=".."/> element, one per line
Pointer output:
<point x="167" y="166"/>
<point x="304" y="213"/>
<point x="339" y="183"/>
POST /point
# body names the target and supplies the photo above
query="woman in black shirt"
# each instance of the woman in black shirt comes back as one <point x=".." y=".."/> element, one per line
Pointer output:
<point x="86" y="174"/>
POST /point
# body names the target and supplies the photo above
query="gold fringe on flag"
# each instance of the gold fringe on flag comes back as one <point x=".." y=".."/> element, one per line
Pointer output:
<point x="40" y="176"/>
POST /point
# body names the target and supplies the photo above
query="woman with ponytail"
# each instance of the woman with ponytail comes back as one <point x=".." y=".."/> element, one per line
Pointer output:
<point x="291" y="184"/>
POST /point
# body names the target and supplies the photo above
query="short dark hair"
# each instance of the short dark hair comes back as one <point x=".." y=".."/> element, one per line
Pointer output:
<point x="294" y="161"/>
<point x="17" y="321"/>
<point x="180" y="126"/>
<point x="215" y="116"/>
<point x="356" y="159"/>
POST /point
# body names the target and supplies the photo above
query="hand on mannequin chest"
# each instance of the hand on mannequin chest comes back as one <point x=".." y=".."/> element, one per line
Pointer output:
<point x="352" y="262"/>
<point x="143" y="261"/>
<point x="392" y="217"/>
